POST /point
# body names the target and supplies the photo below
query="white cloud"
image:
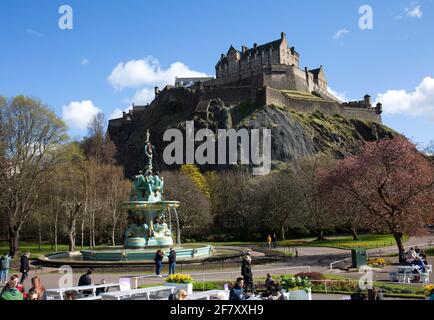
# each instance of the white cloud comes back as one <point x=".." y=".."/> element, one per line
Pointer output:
<point x="148" y="72"/>
<point x="143" y="96"/>
<point x="117" y="113"/>
<point x="419" y="103"/>
<point x="77" y="115"/>
<point x="415" y="11"/>
<point x="340" y="95"/>
<point x="84" y="62"/>
<point x="341" y="33"/>
<point x="35" y="33"/>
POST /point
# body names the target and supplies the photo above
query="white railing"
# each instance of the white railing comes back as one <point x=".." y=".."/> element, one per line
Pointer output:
<point x="231" y="275"/>
<point x="380" y="251"/>
<point x="339" y="261"/>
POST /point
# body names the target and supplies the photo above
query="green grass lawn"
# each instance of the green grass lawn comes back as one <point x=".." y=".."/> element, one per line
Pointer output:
<point x="366" y="241"/>
<point x="33" y="248"/>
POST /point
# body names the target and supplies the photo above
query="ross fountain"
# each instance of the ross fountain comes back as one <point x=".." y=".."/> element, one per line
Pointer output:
<point x="148" y="214"/>
<point x="149" y="229"/>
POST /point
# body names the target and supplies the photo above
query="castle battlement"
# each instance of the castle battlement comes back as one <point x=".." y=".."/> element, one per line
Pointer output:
<point x="264" y="74"/>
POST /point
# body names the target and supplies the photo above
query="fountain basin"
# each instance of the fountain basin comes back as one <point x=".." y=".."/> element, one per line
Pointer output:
<point x="145" y="257"/>
<point x="147" y="254"/>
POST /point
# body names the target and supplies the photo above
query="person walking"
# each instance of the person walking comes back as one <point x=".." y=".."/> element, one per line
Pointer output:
<point x="158" y="262"/>
<point x="246" y="272"/>
<point x="172" y="261"/>
<point x="274" y="240"/>
<point x="269" y="240"/>
<point x="5" y="262"/>
<point x="25" y="266"/>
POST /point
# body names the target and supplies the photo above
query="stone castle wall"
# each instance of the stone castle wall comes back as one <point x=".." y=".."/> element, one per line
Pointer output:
<point x="327" y="107"/>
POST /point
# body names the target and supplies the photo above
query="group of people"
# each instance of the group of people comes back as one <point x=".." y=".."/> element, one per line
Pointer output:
<point x="273" y="290"/>
<point x="14" y="290"/>
<point x="5" y="265"/>
<point x="416" y="257"/>
<point x="271" y="240"/>
<point x="159" y="256"/>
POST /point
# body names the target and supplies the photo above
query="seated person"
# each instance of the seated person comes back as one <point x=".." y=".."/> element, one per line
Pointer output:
<point x="100" y="291"/>
<point x="268" y="281"/>
<point x="237" y="292"/>
<point x="274" y="291"/>
<point x="420" y="253"/>
<point x="414" y="260"/>
<point x="178" y="296"/>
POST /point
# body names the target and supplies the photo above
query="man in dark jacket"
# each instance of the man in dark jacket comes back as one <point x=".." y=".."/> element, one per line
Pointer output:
<point x="172" y="261"/>
<point x="25" y="266"/>
<point x="237" y="292"/>
<point x="246" y="272"/>
<point x="86" y="280"/>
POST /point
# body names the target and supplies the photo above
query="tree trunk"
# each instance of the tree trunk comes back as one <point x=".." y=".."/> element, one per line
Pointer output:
<point x="14" y="242"/>
<point x="56" y="223"/>
<point x="39" y="233"/>
<point x="354" y="234"/>
<point x="320" y="233"/>
<point x="113" y="235"/>
<point x="82" y="233"/>
<point x="71" y="237"/>
<point x="283" y="233"/>
<point x="398" y="238"/>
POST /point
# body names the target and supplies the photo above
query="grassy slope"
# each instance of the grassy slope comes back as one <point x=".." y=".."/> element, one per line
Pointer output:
<point x="366" y="241"/>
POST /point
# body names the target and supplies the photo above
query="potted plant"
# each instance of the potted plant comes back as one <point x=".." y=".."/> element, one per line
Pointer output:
<point x="181" y="281"/>
<point x="297" y="288"/>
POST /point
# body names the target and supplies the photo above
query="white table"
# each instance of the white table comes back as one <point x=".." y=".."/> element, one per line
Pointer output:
<point x="405" y="273"/>
<point x="61" y="291"/>
<point x="131" y="294"/>
<point x="206" y="295"/>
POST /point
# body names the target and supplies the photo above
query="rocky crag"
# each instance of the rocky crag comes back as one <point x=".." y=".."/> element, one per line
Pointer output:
<point x="294" y="134"/>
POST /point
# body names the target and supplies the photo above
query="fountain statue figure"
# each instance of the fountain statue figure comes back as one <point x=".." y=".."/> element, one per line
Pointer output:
<point x="147" y="210"/>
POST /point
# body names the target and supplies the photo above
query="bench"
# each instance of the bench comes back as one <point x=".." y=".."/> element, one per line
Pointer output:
<point x="60" y="292"/>
<point x="138" y="293"/>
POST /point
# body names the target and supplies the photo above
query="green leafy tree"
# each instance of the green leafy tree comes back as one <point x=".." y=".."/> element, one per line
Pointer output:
<point x="31" y="135"/>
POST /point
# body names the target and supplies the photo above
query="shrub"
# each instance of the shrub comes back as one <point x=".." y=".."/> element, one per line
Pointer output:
<point x="311" y="275"/>
<point x="293" y="283"/>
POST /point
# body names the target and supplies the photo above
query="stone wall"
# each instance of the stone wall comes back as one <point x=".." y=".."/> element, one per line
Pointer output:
<point x="327" y="107"/>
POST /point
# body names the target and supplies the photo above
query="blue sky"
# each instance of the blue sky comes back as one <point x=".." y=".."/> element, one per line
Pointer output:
<point x="77" y="71"/>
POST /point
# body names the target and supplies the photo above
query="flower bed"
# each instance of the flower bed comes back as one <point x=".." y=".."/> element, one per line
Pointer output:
<point x="428" y="289"/>
<point x="181" y="282"/>
<point x="378" y="262"/>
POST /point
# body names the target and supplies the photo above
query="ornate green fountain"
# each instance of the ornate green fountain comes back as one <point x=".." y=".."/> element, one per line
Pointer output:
<point x="149" y="229"/>
<point x="147" y="211"/>
<point x="149" y="220"/>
